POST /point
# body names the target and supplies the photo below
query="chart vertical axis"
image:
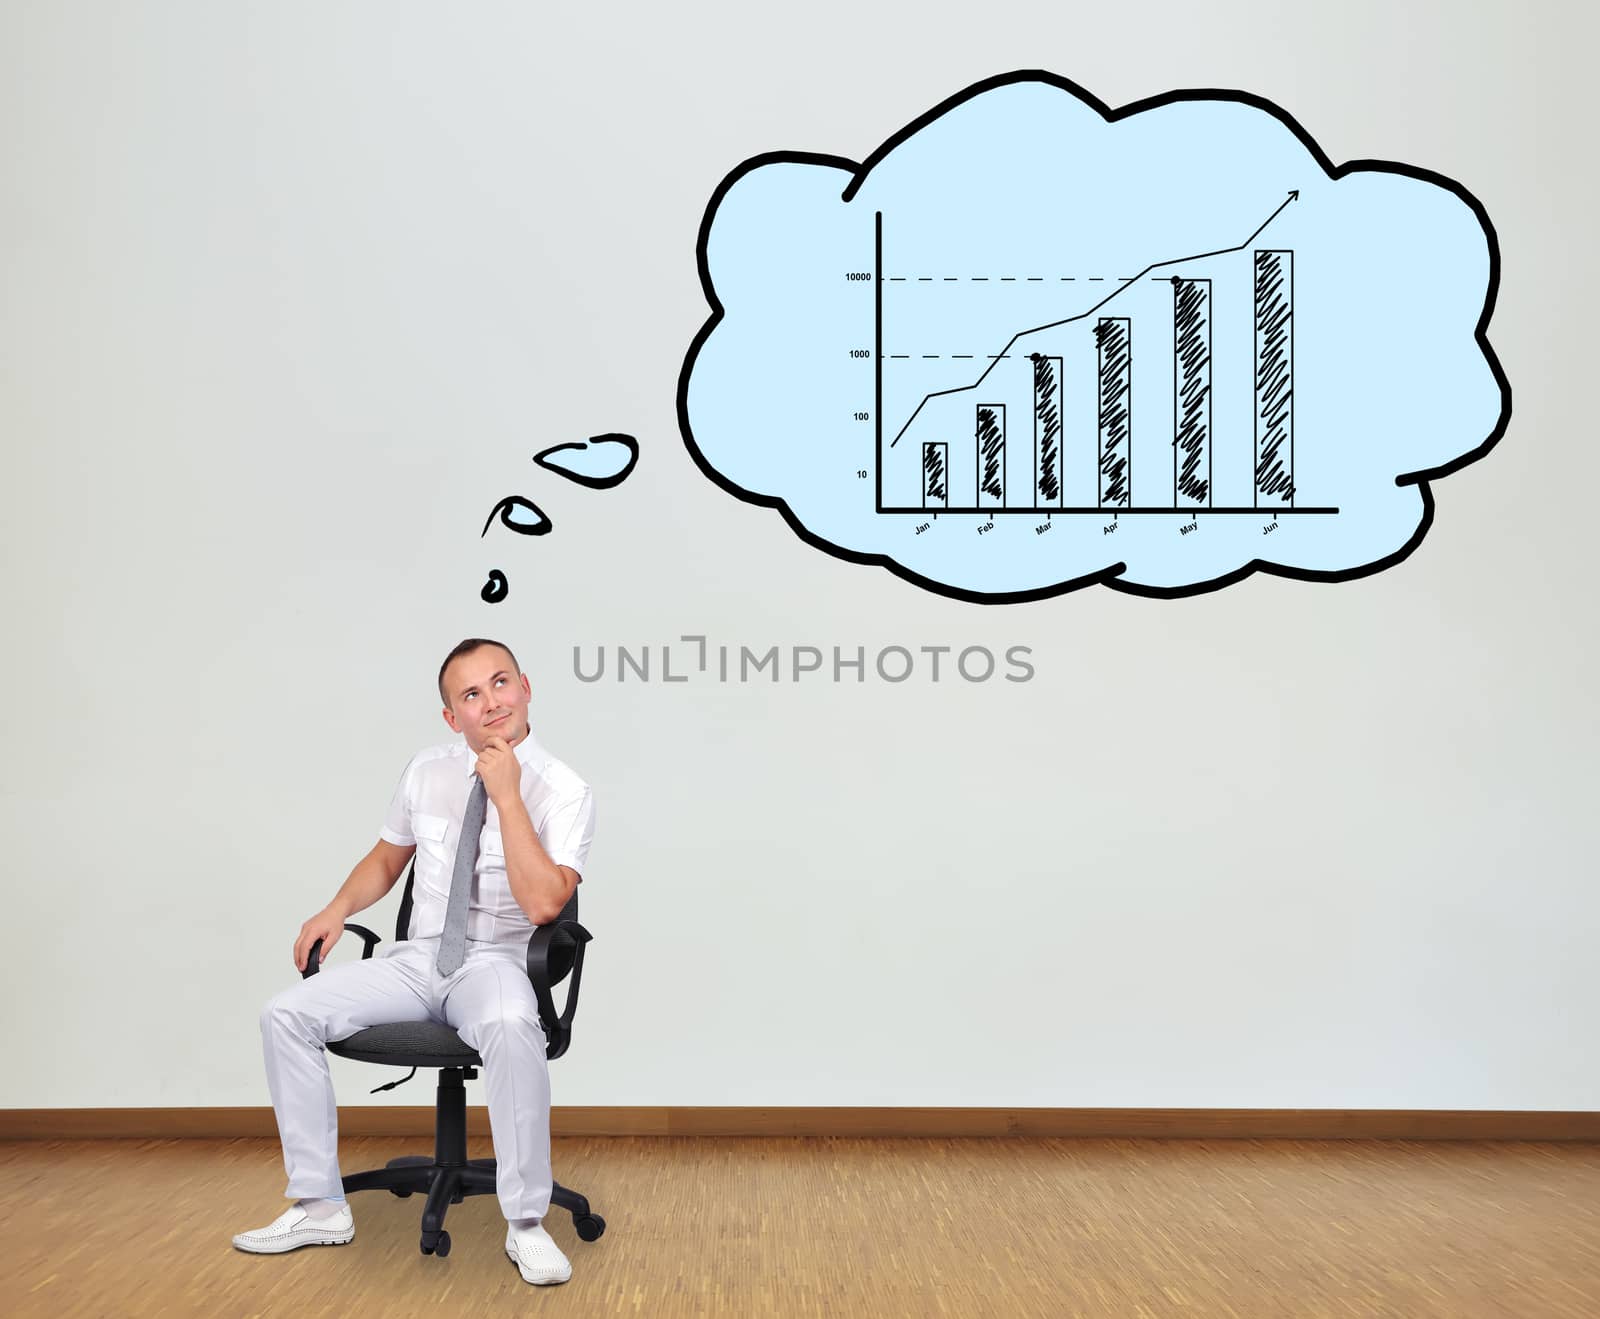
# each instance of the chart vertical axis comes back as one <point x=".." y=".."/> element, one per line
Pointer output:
<point x="877" y="356"/>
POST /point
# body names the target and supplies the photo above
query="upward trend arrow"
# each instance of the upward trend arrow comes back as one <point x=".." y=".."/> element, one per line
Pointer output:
<point x="1294" y="195"/>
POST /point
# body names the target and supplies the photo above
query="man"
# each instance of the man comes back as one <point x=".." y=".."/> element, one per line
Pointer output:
<point x="539" y="820"/>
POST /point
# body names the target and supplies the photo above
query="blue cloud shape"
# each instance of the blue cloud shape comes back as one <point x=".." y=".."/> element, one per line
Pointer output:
<point x="1032" y="343"/>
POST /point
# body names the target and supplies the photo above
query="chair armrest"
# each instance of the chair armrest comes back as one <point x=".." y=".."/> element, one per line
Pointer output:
<point x="558" y="1029"/>
<point x="369" y="942"/>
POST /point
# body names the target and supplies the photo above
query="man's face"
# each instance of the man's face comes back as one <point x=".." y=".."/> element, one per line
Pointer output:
<point x="488" y="697"/>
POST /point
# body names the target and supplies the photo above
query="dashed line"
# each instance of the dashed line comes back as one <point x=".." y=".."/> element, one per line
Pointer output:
<point x="1014" y="279"/>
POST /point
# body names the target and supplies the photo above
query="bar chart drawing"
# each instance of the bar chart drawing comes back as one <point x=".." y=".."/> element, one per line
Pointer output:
<point x="1033" y="343"/>
<point x="1176" y="326"/>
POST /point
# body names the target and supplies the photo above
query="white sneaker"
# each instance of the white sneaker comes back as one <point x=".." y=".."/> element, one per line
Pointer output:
<point x="536" y="1256"/>
<point x="294" y="1228"/>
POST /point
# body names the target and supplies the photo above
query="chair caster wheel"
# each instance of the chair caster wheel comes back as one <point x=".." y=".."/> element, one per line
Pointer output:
<point x="440" y="1248"/>
<point x="589" y="1226"/>
<point x="399" y="1191"/>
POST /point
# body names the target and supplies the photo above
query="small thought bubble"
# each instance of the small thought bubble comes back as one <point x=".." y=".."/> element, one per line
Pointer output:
<point x="600" y="462"/>
<point x="520" y="515"/>
<point x="495" y="589"/>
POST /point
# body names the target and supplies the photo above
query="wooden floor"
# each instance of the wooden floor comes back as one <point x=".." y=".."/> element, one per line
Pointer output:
<point x="773" y="1226"/>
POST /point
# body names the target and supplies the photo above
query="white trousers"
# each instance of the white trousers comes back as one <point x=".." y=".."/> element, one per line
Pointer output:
<point x="487" y="1001"/>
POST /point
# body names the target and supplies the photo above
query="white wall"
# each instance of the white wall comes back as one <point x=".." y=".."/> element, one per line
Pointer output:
<point x="291" y="293"/>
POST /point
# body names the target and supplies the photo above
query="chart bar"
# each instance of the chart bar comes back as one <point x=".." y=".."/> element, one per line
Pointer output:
<point x="1113" y="336"/>
<point x="1047" y="408"/>
<point x="1191" y="393"/>
<point x="1274" y="379"/>
<point x="935" y="475"/>
<point x="991" y="441"/>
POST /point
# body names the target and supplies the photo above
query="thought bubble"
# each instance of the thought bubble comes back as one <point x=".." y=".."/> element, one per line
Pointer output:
<point x="600" y="462"/>
<point x="1032" y="343"/>
<point x="520" y="515"/>
<point x="495" y="587"/>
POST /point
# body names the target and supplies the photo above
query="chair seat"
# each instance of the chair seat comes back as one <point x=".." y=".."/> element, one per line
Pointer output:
<point x="408" y="1044"/>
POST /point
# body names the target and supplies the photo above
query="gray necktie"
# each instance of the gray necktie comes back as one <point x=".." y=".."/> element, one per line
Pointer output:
<point x="453" y="943"/>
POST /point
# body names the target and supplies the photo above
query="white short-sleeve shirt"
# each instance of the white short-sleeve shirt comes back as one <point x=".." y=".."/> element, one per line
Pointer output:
<point x="427" y="809"/>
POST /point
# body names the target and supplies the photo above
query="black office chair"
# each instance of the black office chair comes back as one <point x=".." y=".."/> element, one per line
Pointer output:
<point x="449" y="1176"/>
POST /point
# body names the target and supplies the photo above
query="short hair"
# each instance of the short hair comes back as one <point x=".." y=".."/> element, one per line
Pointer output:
<point x="466" y="648"/>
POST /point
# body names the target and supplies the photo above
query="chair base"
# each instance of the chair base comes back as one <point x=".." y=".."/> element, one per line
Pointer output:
<point x="449" y="1176"/>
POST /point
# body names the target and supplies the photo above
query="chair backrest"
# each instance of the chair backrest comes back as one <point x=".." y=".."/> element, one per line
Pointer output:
<point x="563" y="949"/>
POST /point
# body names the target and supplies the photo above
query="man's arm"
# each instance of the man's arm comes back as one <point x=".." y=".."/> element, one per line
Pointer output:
<point x="373" y="876"/>
<point x="540" y="886"/>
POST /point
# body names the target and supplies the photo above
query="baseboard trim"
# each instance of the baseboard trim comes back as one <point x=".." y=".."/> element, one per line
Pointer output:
<point x="1132" y="1123"/>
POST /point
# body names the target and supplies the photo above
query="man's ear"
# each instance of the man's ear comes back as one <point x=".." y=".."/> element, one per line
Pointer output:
<point x="450" y="719"/>
<point x="527" y="689"/>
